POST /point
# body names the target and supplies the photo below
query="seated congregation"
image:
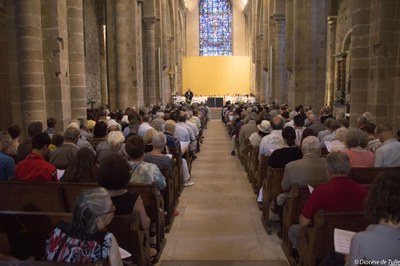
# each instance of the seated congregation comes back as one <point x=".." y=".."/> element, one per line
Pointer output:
<point x="114" y="179"/>
<point x="313" y="173"/>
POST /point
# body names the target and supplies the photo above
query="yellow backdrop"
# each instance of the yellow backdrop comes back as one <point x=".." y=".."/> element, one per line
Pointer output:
<point x="216" y="75"/>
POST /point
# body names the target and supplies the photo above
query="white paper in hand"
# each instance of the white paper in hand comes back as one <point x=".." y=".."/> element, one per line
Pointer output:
<point x="124" y="254"/>
<point x="310" y="188"/>
<point x="342" y="240"/>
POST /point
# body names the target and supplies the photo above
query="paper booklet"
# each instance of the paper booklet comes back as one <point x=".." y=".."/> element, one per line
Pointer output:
<point x="310" y="188"/>
<point x="342" y="240"/>
<point x="124" y="254"/>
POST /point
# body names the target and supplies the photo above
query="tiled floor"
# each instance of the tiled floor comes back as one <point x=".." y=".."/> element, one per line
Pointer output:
<point x="219" y="218"/>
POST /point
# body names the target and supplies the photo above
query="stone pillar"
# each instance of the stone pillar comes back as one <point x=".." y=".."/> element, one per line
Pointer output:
<point x="30" y="61"/>
<point x="330" y="61"/>
<point x="111" y="54"/>
<point x="309" y="55"/>
<point x="121" y="28"/>
<point x="278" y="71"/>
<point x="76" y="59"/>
<point x="150" y="71"/>
<point x="360" y="52"/>
<point x="102" y="31"/>
<point x="138" y="82"/>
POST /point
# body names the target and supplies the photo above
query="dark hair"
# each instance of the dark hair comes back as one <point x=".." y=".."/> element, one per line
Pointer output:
<point x="289" y="134"/>
<point x="306" y="133"/>
<point x="40" y="140"/>
<point x="369" y="128"/>
<point x="114" y="172"/>
<point x="135" y="147"/>
<point x="100" y="129"/>
<point x="14" y="131"/>
<point x="298" y="120"/>
<point x="51" y="122"/>
<point x="83" y="168"/>
<point x="383" y="201"/>
<point x="57" y="139"/>
<point x="35" y="128"/>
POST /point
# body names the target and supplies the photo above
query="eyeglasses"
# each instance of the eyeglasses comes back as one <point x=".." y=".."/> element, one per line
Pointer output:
<point x="111" y="211"/>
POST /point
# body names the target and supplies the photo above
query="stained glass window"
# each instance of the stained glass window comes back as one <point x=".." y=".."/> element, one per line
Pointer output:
<point x="215" y="27"/>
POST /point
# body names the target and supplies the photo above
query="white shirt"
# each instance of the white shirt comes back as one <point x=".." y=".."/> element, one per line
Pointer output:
<point x="270" y="143"/>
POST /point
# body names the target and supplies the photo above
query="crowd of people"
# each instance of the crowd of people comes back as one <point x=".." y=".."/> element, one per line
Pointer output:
<point x="112" y="149"/>
<point x="189" y="97"/>
<point x="317" y="149"/>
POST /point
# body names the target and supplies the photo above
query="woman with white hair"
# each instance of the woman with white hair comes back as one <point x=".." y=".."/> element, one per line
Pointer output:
<point x="111" y="145"/>
<point x="85" y="239"/>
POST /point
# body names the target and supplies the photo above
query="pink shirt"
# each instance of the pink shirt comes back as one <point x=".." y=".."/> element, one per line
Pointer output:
<point x="360" y="157"/>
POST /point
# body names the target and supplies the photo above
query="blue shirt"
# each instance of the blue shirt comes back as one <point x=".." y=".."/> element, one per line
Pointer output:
<point x="388" y="155"/>
<point x="7" y="167"/>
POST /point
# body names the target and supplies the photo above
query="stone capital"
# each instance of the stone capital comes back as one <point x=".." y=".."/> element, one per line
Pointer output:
<point x="139" y="1"/>
<point x="150" y="20"/>
<point x="332" y="20"/>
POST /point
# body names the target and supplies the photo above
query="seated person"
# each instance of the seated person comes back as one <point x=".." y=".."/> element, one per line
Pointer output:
<point x="7" y="163"/>
<point x="280" y="157"/>
<point x="380" y="241"/>
<point x="357" y="142"/>
<point x="83" y="167"/>
<point x="35" y="167"/>
<point x="142" y="172"/>
<point x="114" y="175"/>
<point x="63" y="156"/>
<point x="388" y="154"/>
<point x="85" y="239"/>
<point x="340" y="194"/>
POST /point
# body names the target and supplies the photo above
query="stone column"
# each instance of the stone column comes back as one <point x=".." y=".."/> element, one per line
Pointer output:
<point x="76" y="59"/>
<point x="330" y="61"/>
<point x="360" y="62"/>
<point x="30" y="61"/>
<point x="121" y="28"/>
<point x="138" y="83"/>
<point x="279" y="77"/>
<point x="102" y="30"/>
<point x="111" y="54"/>
<point x="150" y="71"/>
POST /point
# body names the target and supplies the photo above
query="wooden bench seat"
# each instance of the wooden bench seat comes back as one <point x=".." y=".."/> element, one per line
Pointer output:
<point x="316" y="242"/>
<point x="292" y="209"/>
<point x="168" y="194"/>
<point x="27" y="233"/>
<point x="367" y="175"/>
<point x="271" y="189"/>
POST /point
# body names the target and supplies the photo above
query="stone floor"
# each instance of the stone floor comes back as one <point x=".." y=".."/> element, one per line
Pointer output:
<point x="219" y="218"/>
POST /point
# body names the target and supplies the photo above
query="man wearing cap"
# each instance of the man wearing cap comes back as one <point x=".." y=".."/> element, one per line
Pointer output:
<point x="263" y="129"/>
<point x="274" y="140"/>
<point x="246" y="131"/>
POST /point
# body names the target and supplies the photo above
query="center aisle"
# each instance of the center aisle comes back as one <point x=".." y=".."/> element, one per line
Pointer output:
<point x="219" y="218"/>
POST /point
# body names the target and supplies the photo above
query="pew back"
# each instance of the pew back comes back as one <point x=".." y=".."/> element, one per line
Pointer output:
<point x="316" y="242"/>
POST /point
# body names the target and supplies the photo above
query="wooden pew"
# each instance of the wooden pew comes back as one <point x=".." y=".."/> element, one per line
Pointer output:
<point x="271" y="189"/>
<point x="31" y="196"/>
<point x="168" y="194"/>
<point x="154" y="205"/>
<point x="249" y="163"/>
<point x="367" y="175"/>
<point x="27" y="233"/>
<point x="178" y="183"/>
<point x="253" y="171"/>
<point x="291" y="212"/>
<point x="316" y="242"/>
<point x="246" y="154"/>
<point x="262" y="172"/>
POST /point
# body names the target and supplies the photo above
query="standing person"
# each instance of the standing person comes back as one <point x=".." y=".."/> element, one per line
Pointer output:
<point x="86" y="240"/>
<point x="189" y="96"/>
